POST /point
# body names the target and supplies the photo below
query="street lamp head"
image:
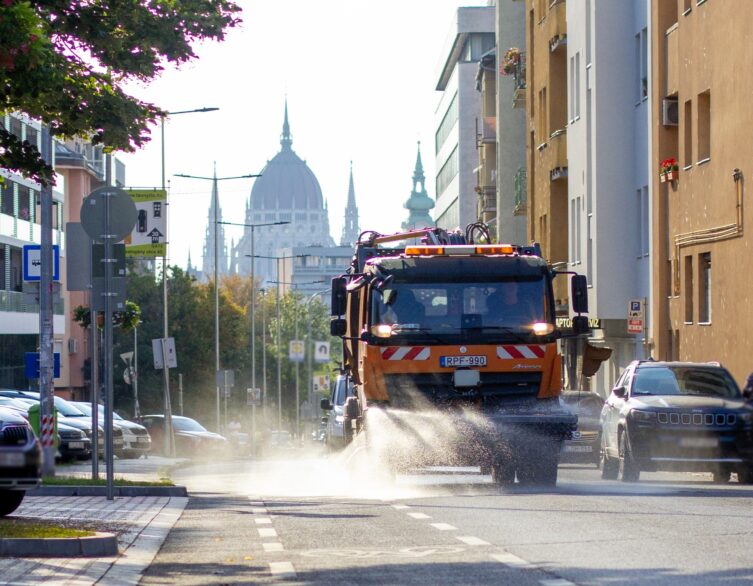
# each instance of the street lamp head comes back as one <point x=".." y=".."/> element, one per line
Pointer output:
<point x="205" y="109"/>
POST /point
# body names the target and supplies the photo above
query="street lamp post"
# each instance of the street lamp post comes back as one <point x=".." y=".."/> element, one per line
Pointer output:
<point x="253" y="291"/>
<point x="310" y="349"/>
<point x="279" y="350"/>
<point x="169" y="444"/>
<point x="215" y="221"/>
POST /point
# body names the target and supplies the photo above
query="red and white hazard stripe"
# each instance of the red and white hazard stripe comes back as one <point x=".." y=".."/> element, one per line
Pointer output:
<point x="509" y="351"/>
<point x="47" y="431"/>
<point x="406" y="353"/>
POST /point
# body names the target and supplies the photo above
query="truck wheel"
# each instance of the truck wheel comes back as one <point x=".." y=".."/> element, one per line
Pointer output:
<point x="10" y="500"/>
<point x="629" y="470"/>
<point x="503" y="472"/>
<point x="610" y="467"/>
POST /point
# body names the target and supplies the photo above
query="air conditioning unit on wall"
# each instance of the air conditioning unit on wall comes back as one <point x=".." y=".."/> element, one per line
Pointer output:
<point x="670" y="112"/>
<point x="72" y="345"/>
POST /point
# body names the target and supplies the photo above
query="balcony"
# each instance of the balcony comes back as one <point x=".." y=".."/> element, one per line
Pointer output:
<point x="557" y="25"/>
<point x="557" y="155"/>
<point x="519" y="81"/>
<point x="521" y="193"/>
<point x="488" y="131"/>
<point x="17" y="302"/>
<point x="673" y="61"/>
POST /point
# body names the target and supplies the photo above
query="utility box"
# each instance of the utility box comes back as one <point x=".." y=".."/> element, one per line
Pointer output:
<point x="34" y="422"/>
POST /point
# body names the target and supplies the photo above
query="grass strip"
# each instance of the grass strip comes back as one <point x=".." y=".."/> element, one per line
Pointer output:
<point x="32" y="528"/>
<point x="74" y="481"/>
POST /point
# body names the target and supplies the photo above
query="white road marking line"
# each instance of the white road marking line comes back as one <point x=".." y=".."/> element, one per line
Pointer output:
<point x="256" y="504"/>
<point x="282" y="569"/>
<point x="444" y="526"/>
<point x="267" y="532"/>
<point x="469" y="540"/>
<point x="271" y="546"/>
<point x="510" y="560"/>
<point x="400" y="507"/>
<point x="556" y="582"/>
<point x="263" y="521"/>
<point x="259" y="511"/>
<point x="419" y="515"/>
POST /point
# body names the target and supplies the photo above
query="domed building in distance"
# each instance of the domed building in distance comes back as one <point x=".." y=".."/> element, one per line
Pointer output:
<point x="288" y="199"/>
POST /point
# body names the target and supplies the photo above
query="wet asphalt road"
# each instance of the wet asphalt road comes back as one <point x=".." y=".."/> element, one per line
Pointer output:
<point x="319" y="521"/>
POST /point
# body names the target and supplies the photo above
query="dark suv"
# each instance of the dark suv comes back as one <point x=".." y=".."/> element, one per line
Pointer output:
<point x="20" y="460"/>
<point x="678" y="416"/>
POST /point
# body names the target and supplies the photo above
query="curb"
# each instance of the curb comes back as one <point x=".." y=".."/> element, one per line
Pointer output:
<point x="98" y="545"/>
<point x="102" y="491"/>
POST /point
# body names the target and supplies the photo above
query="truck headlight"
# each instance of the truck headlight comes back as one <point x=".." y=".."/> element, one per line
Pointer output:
<point x="542" y="328"/>
<point x="643" y="416"/>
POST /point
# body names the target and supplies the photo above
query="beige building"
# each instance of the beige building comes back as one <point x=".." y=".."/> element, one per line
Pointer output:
<point x="486" y="142"/>
<point x="546" y="140"/>
<point x="702" y="117"/>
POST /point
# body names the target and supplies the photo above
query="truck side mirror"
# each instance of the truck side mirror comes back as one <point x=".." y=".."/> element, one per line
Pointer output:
<point x="338" y="326"/>
<point x="579" y="286"/>
<point x="339" y="296"/>
<point x="325" y="404"/>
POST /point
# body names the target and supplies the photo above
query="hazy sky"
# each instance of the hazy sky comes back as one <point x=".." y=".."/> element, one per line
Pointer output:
<point x="360" y="78"/>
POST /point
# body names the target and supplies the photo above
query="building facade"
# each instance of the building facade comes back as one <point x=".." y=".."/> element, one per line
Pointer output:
<point x="700" y="103"/>
<point x="608" y="178"/>
<point x="471" y="36"/>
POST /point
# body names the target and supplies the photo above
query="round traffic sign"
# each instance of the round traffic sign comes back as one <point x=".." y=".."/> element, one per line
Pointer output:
<point x="129" y="375"/>
<point x="123" y="214"/>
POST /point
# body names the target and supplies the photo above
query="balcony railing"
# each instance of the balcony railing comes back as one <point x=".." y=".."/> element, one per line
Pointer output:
<point x="519" y="79"/>
<point x="17" y="302"/>
<point x="521" y="192"/>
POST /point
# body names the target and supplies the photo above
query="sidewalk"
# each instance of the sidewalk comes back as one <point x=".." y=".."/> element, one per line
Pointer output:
<point x="141" y="523"/>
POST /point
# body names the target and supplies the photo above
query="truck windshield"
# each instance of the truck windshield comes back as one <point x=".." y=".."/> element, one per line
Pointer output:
<point x="452" y="307"/>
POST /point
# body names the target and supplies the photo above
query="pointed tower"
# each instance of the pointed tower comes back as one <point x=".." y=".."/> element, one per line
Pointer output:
<point x="351" y="230"/>
<point x="419" y="203"/>
<point x="207" y="265"/>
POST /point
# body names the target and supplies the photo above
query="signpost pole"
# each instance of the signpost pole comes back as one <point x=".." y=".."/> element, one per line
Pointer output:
<point x="46" y="390"/>
<point x="108" y="260"/>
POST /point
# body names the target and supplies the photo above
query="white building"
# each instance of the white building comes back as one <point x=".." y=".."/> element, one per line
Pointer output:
<point x="471" y="35"/>
<point x="608" y="160"/>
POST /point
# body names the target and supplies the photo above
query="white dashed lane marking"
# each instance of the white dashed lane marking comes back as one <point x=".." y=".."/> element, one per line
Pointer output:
<point x="267" y="532"/>
<point x="469" y="540"/>
<point x="419" y="515"/>
<point x="272" y="546"/>
<point x="444" y="526"/>
<point x="282" y="569"/>
<point x="556" y="582"/>
<point x="510" y="560"/>
<point x="263" y="521"/>
<point x="400" y="507"/>
<point x="259" y="511"/>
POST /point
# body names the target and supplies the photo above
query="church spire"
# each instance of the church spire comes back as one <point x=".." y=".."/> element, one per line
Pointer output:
<point x="419" y="203"/>
<point x="351" y="229"/>
<point x="208" y="258"/>
<point x="286" y="140"/>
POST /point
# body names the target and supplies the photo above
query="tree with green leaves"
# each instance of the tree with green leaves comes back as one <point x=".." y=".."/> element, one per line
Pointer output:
<point x="67" y="64"/>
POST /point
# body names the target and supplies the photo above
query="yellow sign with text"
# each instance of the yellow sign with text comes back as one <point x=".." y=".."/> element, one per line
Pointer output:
<point x="149" y="236"/>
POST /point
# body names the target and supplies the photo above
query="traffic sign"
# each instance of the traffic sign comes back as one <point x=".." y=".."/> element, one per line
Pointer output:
<point x="129" y="375"/>
<point x="635" y="317"/>
<point x="31" y="365"/>
<point x="297" y="351"/>
<point x="321" y="383"/>
<point x="321" y="351"/>
<point x="32" y="262"/>
<point x="123" y="214"/>
<point x="148" y="239"/>
<point x="253" y="397"/>
<point x="172" y="357"/>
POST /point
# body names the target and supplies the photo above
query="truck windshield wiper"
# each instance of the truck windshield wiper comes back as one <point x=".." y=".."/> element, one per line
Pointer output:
<point x="400" y="328"/>
<point x="519" y="336"/>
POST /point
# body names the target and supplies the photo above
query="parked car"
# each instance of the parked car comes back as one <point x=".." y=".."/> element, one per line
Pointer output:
<point x="20" y="460"/>
<point x="334" y="408"/>
<point x="583" y="447"/>
<point x="191" y="438"/>
<point x="73" y="443"/>
<point x="136" y="439"/>
<point x="679" y="416"/>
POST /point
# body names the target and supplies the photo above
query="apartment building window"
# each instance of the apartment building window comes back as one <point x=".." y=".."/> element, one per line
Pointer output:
<point x="543" y="230"/>
<point x="687" y="129"/>
<point x="448" y="172"/>
<point x="448" y="122"/>
<point x="704" y="288"/>
<point x="15" y="127"/>
<point x="704" y="126"/>
<point x="686" y="6"/>
<point x="688" y="289"/>
<point x="7" y="197"/>
<point x="24" y="208"/>
<point x="589" y="248"/>
<point x="31" y="135"/>
<point x="574" y="87"/>
<point x="641" y="65"/>
<point x="543" y="123"/>
<point x="644" y="228"/>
